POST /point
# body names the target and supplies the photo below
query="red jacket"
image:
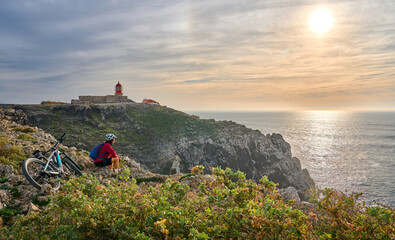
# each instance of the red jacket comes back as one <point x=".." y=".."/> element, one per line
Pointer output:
<point x="106" y="152"/>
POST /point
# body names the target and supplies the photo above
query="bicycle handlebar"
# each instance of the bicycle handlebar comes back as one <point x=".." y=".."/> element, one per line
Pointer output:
<point x="62" y="137"/>
<point x="56" y="144"/>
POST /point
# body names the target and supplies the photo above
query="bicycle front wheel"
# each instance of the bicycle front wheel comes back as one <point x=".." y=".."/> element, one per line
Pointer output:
<point x="70" y="168"/>
<point x="33" y="169"/>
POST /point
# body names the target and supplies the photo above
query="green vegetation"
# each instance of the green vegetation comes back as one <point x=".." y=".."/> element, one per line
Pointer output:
<point x="230" y="207"/>
<point x="8" y="212"/>
<point x="187" y="176"/>
<point x="169" y="123"/>
<point x="14" y="191"/>
<point x="3" y="179"/>
<point x="148" y="179"/>
<point x="52" y="102"/>
<point x="10" y="154"/>
<point x="342" y="217"/>
<point x="25" y="129"/>
<point x="26" y="137"/>
<point x="38" y="202"/>
<point x="61" y="149"/>
<point x="196" y="170"/>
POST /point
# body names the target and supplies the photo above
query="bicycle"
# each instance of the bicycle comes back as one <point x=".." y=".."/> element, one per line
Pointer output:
<point x="41" y="170"/>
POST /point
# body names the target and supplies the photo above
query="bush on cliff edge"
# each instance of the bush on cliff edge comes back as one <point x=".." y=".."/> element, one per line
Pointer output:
<point x="10" y="154"/>
<point x="230" y="207"/>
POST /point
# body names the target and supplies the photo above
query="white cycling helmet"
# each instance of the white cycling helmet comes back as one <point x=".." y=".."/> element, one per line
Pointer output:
<point x="110" y="137"/>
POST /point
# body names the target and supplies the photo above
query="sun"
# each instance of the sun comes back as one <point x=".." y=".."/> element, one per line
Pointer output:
<point x="321" y="21"/>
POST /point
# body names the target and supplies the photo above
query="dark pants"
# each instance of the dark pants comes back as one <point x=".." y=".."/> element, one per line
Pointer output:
<point x="105" y="162"/>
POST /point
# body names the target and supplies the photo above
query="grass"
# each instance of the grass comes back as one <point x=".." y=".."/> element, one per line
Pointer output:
<point x="26" y="137"/>
<point x="3" y="179"/>
<point x="39" y="203"/>
<point x="24" y="129"/>
<point x="148" y="179"/>
<point x="8" y="212"/>
<point x="187" y="176"/>
<point x="169" y="123"/>
<point x="10" y="154"/>
<point x="52" y="102"/>
<point x="14" y="191"/>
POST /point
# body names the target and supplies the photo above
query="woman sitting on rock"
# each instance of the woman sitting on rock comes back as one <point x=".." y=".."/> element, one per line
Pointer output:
<point x="107" y="155"/>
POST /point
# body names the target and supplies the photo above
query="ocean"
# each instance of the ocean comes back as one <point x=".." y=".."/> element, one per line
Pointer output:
<point x="347" y="151"/>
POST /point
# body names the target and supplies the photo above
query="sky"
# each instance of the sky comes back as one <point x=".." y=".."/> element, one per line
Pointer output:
<point x="200" y="55"/>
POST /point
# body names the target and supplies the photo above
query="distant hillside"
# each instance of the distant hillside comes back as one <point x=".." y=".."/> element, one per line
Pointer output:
<point x="164" y="140"/>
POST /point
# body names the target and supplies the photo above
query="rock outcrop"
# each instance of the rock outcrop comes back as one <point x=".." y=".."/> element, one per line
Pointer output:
<point x="165" y="141"/>
<point x="252" y="153"/>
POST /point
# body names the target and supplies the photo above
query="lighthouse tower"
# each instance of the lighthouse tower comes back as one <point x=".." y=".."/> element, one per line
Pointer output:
<point x="118" y="89"/>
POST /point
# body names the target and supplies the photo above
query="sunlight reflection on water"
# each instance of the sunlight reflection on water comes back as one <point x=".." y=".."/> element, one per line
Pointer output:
<point x="352" y="151"/>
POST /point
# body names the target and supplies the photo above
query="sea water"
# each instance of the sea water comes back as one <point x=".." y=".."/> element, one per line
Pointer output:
<point x="347" y="151"/>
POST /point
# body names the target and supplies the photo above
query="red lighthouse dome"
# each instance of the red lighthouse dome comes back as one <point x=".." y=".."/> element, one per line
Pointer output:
<point x="118" y="89"/>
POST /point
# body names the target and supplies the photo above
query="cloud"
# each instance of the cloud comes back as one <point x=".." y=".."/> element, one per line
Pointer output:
<point x="227" y="50"/>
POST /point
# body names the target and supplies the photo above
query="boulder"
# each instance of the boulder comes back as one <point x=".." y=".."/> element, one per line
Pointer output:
<point x="4" y="198"/>
<point x="33" y="208"/>
<point x="43" y="199"/>
<point x="289" y="193"/>
<point x="14" y="179"/>
<point x="46" y="189"/>
<point x="130" y="162"/>
<point x="195" y="181"/>
<point x="17" y="116"/>
<point x="6" y="170"/>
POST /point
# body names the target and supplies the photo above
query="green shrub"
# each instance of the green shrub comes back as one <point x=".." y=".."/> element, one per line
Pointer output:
<point x="222" y="209"/>
<point x="26" y="137"/>
<point x="39" y="203"/>
<point x="8" y="212"/>
<point x="229" y="207"/>
<point x="10" y="154"/>
<point x="52" y="102"/>
<point x="14" y="191"/>
<point x="186" y="176"/>
<point x="3" y="179"/>
<point x="341" y="216"/>
<point x="25" y="129"/>
<point x="148" y="179"/>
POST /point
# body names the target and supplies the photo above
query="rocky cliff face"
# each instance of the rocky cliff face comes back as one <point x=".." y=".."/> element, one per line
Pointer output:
<point x="238" y="148"/>
<point x="167" y="141"/>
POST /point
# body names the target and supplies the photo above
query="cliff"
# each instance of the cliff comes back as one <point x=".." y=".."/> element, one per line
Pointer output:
<point x="167" y="141"/>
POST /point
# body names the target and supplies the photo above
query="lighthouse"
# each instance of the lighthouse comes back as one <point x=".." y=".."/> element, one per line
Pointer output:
<point x="118" y="89"/>
<point x="117" y="98"/>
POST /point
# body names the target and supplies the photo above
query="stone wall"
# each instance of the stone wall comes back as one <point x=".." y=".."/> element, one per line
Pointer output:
<point x="100" y="99"/>
<point x="123" y="99"/>
<point x="94" y="99"/>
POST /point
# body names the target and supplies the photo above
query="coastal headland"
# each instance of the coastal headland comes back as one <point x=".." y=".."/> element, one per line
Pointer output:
<point x="166" y="141"/>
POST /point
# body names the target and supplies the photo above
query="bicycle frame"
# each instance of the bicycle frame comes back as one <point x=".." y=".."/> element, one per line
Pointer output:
<point x="55" y="158"/>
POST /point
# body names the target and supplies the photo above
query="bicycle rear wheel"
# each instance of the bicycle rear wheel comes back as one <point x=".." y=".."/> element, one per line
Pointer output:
<point x="70" y="168"/>
<point x="33" y="169"/>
